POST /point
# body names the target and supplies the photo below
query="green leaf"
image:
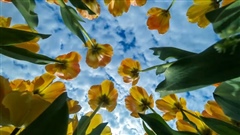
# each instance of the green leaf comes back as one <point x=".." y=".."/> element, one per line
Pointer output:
<point x="148" y="131"/>
<point x="72" y="22"/>
<point x="205" y="68"/>
<point x="165" y="53"/>
<point x="13" y="36"/>
<point x="75" y="14"/>
<point x="162" y="68"/>
<point x="227" y="96"/>
<point x="156" y="123"/>
<point x="26" y="8"/>
<point x="23" y="54"/>
<point x="98" y="130"/>
<point x="79" y="4"/>
<point x="221" y="127"/>
<point x="81" y="128"/>
<point x="53" y="121"/>
<point x="159" y="126"/>
<point x="225" y="20"/>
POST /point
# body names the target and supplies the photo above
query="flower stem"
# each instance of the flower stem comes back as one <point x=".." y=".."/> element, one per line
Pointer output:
<point x="61" y="3"/>
<point x="152" y="109"/>
<point x="171" y="5"/>
<point x="86" y="35"/>
<point x="15" y="131"/>
<point x="153" y="67"/>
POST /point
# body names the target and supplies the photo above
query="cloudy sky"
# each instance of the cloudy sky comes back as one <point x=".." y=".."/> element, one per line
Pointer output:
<point x="130" y="38"/>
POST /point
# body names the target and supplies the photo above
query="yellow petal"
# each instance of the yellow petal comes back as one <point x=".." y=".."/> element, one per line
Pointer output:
<point x="107" y="86"/>
<point x="5" y="21"/>
<point x="73" y="106"/>
<point x="24" y="107"/>
<point x="95" y="121"/>
<point x="53" y="91"/>
<point x="6" y="130"/>
<point x="43" y="81"/>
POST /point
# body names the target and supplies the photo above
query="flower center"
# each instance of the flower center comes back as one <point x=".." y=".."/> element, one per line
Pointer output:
<point x="38" y="93"/>
<point x="135" y="72"/>
<point x="95" y="49"/>
<point x="104" y="100"/>
<point x="145" y="104"/>
<point x="178" y="106"/>
<point x="62" y="65"/>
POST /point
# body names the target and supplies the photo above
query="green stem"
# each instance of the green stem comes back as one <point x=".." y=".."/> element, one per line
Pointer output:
<point x="152" y="110"/>
<point x="86" y="123"/>
<point x="86" y="35"/>
<point x="153" y="67"/>
<point x="171" y="5"/>
<point x="61" y="3"/>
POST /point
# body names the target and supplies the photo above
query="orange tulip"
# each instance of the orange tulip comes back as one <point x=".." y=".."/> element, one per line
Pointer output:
<point x="117" y="7"/>
<point x="138" y="101"/>
<point x="129" y="69"/>
<point x="98" y="55"/>
<point x="104" y="95"/>
<point x="67" y="67"/>
<point x="158" y="19"/>
<point x="170" y="105"/>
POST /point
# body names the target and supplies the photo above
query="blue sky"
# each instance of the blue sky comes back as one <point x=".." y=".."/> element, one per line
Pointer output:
<point x="130" y="38"/>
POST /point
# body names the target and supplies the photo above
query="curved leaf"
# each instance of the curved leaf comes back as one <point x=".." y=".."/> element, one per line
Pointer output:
<point x="225" y="20"/>
<point x="148" y="131"/>
<point x="13" y="36"/>
<point x="159" y="126"/>
<point x="23" y="54"/>
<point x="53" y="121"/>
<point x="205" y="68"/>
<point x="79" y="4"/>
<point x="221" y="127"/>
<point x="165" y="53"/>
<point x="72" y="22"/>
<point x="227" y="96"/>
<point x="26" y="8"/>
<point x="98" y="130"/>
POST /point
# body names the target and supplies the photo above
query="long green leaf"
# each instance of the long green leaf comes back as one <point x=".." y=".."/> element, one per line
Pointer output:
<point x="81" y="128"/>
<point x="205" y="68"/>
<point x="79" y="4"/>
<point x="221" y="127"/>
<point x="165" y="53"/>
<point x="98" y="130"/>
<point x="156" y="123"/>
<point x="227" y="96"/>
<point x="159" y="126"/>
<point x="26" y="8"/>
<point x="13" y="36"/>
<point x="25" y="55"/>
<point x="225" y="20"/>
<point x="148" y="131"/>
<point x="53" y="121"/>
<point x="72" y="22"/>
